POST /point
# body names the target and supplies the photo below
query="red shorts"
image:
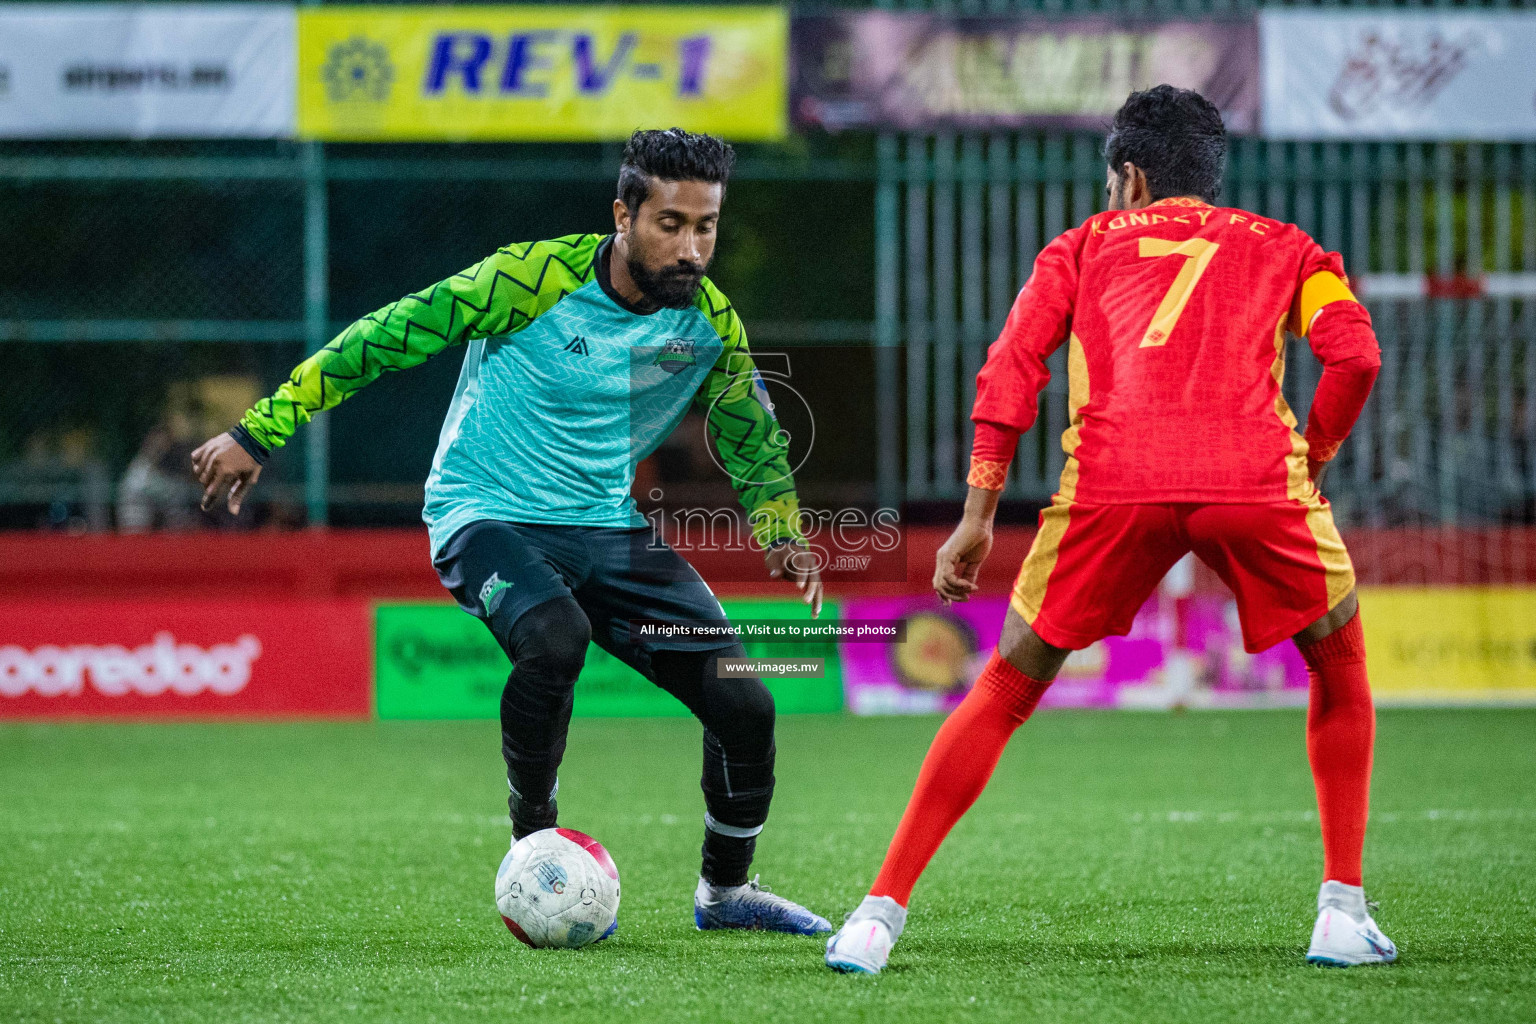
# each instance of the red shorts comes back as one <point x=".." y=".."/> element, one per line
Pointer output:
<point x="1092" y="567"/>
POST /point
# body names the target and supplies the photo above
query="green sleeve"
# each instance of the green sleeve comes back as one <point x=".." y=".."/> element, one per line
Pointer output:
<point x="754" y="450"/>
<point x="500" y="295"/>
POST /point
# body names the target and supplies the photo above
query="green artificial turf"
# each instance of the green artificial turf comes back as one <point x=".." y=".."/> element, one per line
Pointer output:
<point x="1122" y="867"/>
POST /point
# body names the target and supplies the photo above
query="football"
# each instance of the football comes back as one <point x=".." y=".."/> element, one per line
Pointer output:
<point x="558" y="889"/>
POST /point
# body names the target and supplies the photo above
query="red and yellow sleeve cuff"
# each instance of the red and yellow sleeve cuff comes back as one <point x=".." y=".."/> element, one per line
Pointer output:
<point x="1322" y="451"/>
<point x="991" y="451"/>
<point x="988" y="475"/>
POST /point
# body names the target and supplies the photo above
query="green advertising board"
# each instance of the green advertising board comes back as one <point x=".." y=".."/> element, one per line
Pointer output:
<point x="434" y="661"/>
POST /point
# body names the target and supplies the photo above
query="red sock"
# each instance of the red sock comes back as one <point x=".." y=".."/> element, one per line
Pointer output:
<point x="1341" y="729"/>
<point x="956" y="770"/>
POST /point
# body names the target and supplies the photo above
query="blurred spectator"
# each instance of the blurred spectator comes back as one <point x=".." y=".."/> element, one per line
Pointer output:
<point x="157" y="490"/>
<point x="61" y="470"/>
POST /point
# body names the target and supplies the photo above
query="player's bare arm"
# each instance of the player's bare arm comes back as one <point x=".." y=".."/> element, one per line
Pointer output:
<point x="954" y="579"/>
<point x="791" y="560"/>
<point x="960" y="557"/>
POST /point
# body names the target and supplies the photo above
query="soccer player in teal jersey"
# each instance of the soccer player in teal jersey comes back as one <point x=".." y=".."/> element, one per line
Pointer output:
<point x="584" y="352"/>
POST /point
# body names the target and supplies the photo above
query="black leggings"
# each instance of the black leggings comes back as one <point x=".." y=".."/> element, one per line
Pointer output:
<point x="548" y="644"/>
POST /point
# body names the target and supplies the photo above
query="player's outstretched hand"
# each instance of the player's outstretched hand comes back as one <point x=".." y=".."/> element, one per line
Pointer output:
<point x="225" y="469"/>
<point x="793" y="561"/>
<point x="959" y="560"/>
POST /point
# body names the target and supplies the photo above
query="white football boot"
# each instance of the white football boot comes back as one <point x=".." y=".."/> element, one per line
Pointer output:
<point x="1345" y="934"/>
<point x="864" y="942"/>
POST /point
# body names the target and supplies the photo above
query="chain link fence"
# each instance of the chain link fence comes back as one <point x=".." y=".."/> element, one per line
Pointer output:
<point x="134" y="315"/>
<point x="146" y="300"/>
<point x="1440" y="240"/>
<point x="151" y="292"/>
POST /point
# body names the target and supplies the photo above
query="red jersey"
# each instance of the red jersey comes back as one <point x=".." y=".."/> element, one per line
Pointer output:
<point x="1175" y="317"/>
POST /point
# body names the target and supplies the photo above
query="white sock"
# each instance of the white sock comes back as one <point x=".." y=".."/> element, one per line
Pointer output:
<point x="711" y="893"/>
<point x="1348" y="898"/>
<point x="885" y="910"/>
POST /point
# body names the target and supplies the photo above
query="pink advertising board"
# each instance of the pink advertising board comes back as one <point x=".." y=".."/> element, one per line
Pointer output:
<point x="1181" y="652"/>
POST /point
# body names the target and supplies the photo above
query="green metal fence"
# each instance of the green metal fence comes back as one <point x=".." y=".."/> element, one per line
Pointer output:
<point x="1448" y="436"/>
<point x="133" y="268"/>
<point x="1450" y="433"/>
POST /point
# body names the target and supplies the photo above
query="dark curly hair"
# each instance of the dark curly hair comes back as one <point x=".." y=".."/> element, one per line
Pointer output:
<point x="671" y="155"/>
<point x="1177" y="139"/>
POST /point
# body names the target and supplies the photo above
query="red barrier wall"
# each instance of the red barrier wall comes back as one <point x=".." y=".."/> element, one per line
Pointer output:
<point x="396" y="563"/>
<point x="305" y="563"/>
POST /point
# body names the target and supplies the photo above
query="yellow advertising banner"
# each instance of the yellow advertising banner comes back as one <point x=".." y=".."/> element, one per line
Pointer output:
<point x="1450" y="643"/>
<point x="537" y="73"/>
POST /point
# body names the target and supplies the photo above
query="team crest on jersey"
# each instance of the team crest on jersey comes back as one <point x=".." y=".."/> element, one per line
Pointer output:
<point x="676" y="355"/>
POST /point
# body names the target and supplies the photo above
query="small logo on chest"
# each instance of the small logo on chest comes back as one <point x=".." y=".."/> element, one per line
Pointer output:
<point x="577" y="346"/>
<point x="676" y="355"/>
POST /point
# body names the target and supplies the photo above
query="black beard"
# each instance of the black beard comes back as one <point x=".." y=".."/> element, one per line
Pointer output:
<point x="672" y="287"/>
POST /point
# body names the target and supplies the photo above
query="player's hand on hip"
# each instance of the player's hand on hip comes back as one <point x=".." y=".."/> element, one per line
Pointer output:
<point x="225" y="470"/>
<point x="791" y="560"/>
<point x="959" y="560"/>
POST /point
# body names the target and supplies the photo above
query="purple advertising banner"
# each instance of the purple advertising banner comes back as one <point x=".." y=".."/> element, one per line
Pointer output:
<point x="920" y="72"/>
<point x="1181" y="652"/>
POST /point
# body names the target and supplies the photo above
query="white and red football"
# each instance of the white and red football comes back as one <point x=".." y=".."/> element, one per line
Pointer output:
<point x="558" y="889"/>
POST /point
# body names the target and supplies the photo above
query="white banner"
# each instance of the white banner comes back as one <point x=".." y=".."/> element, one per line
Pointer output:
<point x="147" y="71"/>
<point x="1398" y="75"/>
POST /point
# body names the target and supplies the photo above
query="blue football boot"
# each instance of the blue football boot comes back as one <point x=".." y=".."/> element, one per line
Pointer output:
<point x="752" y="907"/>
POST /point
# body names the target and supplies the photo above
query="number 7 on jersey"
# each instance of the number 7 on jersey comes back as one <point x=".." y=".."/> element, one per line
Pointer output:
<point x="1197" y="253"/>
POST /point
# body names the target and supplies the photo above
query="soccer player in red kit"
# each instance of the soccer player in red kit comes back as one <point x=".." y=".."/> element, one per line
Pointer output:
<point x="1174" y="312"/>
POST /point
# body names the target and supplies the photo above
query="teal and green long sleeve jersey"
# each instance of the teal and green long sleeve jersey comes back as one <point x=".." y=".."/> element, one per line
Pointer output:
<point x="565" y="389"/>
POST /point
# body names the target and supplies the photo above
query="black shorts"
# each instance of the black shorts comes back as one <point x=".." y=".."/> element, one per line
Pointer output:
<point x="615" y="575"/>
